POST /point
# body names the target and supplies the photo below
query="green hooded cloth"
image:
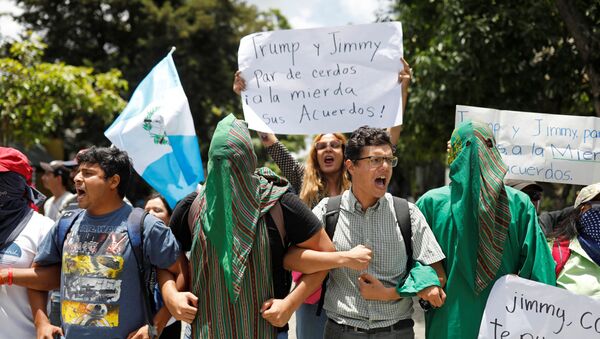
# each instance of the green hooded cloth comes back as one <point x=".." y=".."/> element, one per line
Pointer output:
<point x="485" y="229"/>
<point x="230" y="255"/>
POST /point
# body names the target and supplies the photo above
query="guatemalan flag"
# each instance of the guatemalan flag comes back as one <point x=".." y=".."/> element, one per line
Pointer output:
<point x="157" y="130"/>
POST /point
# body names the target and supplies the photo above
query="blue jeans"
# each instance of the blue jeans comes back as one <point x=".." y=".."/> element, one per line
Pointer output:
<point x="308" y="324"/>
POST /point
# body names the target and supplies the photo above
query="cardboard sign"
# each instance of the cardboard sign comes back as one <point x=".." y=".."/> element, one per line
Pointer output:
<point x="543" y="147"/>
<point x="525" y="309"/>
<point x="323" y="80"/>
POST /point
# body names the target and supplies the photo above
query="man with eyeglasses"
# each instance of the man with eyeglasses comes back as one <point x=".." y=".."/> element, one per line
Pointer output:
<point x="367" y="303"/>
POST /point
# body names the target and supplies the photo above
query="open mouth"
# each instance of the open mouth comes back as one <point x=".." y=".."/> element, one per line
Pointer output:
<point x="328" y="160"/>
<point x="80" y="193"/>
<point x="380" y="181"/>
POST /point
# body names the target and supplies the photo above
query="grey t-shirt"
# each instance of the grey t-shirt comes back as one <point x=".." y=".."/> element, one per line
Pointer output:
<point x="100" y="288"/>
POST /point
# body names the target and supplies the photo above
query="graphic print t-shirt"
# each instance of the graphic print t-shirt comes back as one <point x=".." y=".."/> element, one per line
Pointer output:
<point x="100" y="287"/>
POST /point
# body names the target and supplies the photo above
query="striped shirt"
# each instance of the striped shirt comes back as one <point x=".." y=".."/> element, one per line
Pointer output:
<point x="217" y="316"/>
<point x="377" y="229"/>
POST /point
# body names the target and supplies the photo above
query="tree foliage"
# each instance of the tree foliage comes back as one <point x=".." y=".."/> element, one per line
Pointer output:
<point x="42" y="100"/>
<point x="514" y="55"/>
<point x="133" y="35"/>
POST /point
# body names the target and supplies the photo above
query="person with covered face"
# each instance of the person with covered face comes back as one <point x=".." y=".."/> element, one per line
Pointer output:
<point x="576" y="245"/>
<point x="244" y="220"/>
<point x="486" y="230"/>
<point x="323" y="175"/>
<point x="21" y="232"/>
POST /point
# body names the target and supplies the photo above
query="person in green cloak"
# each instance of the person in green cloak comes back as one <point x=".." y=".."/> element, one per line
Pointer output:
<point x="244" y="220"/>
<point x="485" y="229"/>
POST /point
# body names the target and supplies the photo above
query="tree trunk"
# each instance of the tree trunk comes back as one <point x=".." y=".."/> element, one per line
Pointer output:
<point x="586" y="45"/>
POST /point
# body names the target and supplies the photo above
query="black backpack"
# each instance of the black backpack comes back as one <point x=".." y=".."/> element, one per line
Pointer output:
<point x="402" y="216"/>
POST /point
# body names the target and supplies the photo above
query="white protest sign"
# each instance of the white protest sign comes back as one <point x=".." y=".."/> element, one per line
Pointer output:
<point x="322" y="80"/>
<point x="543" y="147"/>
<point x="525" y="309"/>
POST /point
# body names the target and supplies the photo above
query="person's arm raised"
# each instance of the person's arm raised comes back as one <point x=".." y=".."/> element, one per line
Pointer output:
<point x="239" y="85"/>
<point x="404" y="78"/>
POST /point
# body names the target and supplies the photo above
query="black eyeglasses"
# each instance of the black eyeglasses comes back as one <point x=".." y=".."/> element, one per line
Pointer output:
<point x="376" y="161"/>
<point x="321" y="145"/>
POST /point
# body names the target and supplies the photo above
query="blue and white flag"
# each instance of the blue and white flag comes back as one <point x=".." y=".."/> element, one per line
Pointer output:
<point x="157" y="130"/>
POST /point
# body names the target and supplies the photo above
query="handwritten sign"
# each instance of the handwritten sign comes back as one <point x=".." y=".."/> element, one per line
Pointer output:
<point x="525" y="309"/>
<point x="333" y="79"/>
<point x="543" y="147"/>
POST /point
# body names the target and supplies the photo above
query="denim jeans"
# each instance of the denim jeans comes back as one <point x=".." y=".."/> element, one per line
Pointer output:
<point x="308" y="324"/>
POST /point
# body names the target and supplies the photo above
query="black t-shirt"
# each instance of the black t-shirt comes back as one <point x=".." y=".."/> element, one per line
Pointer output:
<point x="178" y="223"/>
<point x="300" y="225"/>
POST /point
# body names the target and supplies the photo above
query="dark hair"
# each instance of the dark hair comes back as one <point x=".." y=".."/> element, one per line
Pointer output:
<point x="568" y="228"/>
<point x="112" y="161"/>
<point x="366" y="136"/>
<point x="65" y="177"/>
<point x="155" y="195"/>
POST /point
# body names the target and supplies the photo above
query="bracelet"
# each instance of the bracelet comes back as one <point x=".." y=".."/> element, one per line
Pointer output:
<point x="10" y="276"/>
<point x="1" y="279"/>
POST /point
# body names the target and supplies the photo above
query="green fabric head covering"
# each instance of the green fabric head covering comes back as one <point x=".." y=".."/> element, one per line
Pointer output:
<point x="235" y="198"/>
<point x="479" y="201"/>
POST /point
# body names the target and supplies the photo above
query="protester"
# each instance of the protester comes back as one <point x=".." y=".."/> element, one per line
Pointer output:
<point x="97" y="268"/>
<point x="57" y="179"/>
<point x="550" y="221"/>
<point x="485" y="229"/>
<point x="363" y="305"/>
<point x="323" y="176"/>
<point x="243" y="221"/>
<point x="21" y="231"/>
<point x="576" y="245"/>
<point x="533" y="190"/>
<point x="157" y="205"/>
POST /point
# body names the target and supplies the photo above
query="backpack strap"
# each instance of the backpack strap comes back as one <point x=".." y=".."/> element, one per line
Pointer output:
<point x="332" y="215"/>
<point x="403" y="218"/>
<point x="135" y="232"/>
<point x="66" y="221"/>
<point x="402" y="212"/>
<point x="277" y="214"/>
